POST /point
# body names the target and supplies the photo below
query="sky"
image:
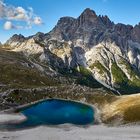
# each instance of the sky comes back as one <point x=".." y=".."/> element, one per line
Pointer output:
<point x="28" y="17"/>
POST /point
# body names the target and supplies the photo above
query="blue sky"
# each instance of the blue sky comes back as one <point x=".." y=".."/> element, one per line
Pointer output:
<point x="42" y="15"/>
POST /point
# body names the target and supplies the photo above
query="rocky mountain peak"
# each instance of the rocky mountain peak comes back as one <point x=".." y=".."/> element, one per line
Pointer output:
<point x="136" y="33"/>
<point x="65" y="20"/>
<point x="123" y="30"/>
<point x="106" y="21"/>
<point x="89" y="13"/>
<point x="39" y="36"/>
<point x="88" y="17"/>
<point x="16" y="38"/>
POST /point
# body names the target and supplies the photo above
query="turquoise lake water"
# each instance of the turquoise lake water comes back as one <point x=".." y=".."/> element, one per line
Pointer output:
<point x="54" y="112"/>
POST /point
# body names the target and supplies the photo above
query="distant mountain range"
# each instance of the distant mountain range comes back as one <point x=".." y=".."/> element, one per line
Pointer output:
<point x="90" y="50"/>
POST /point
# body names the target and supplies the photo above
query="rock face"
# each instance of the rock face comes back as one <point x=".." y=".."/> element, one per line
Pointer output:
<point x="111" y="52"/>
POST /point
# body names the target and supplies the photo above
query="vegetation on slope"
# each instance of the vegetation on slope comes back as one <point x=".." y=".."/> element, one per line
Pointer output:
<point x="121" y="81"/>
<point x="133" y="72"/>
<point x="118" y="75"/>
<point x="125" y="109"/>
<point x="99" y="66"/>
<point x="17" y="71"/>
<point x="85" y="78"/>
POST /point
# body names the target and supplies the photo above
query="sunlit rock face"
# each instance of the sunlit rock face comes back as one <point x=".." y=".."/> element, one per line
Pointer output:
<point x="110" y="51"/>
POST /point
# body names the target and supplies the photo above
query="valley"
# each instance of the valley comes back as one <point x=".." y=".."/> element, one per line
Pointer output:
<point x="88" y="59"/>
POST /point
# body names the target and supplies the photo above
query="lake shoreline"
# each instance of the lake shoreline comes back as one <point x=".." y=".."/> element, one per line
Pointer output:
<point x="79" y="106"/>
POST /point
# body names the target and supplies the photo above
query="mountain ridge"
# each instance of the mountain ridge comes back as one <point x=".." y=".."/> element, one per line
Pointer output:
<point x="111" y="52"/>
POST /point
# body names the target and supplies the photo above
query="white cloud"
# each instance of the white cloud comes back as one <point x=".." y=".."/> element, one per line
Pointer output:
<point x="11" y="13"/>
<point x="8" y="25"/>
<point x="19" y="14"/>
<point x="37" y="21"/>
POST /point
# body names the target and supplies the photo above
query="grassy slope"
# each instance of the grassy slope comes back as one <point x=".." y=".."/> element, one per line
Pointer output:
<point x="133" y="72"/>
<point x="15" y="73"/>
<point x="85" y="78"/>
<point x="125" y="109"/>
<point x="100" y="67"/>
<point x="122" y="83"/>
